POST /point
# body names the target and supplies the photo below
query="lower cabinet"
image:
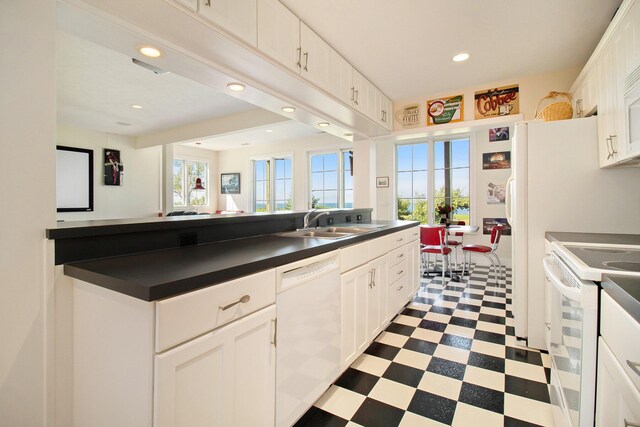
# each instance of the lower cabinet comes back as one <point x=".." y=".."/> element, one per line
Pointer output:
<point x="617" y="399"/>
<point x="223" y="378"/>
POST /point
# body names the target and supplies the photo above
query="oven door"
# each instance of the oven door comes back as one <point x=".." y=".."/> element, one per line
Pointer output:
<point x="573" y="336"/>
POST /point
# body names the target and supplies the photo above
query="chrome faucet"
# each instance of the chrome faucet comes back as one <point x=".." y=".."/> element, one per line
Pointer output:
<point x="307" y="221"/>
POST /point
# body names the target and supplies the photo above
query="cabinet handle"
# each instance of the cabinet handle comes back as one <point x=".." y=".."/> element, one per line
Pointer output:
<point x="579" y="108"/>
<point x="611" y="137"/>
<point x="400" y="272"/>
<point x="274" y="332"/>
<point x="400" y="288"/>
<point x="356" y="100"/>
<point x="400" y="256"/>
<point x="548" y="325"/>
<point x="299" y="50"/>
<point x="352" y="93"/>
<point x="207" y="3"/>
<point x="610" y="154"/>
<point x="634" y="366"/>
<point x="630" y="424"/>
<point x="399" y="240"/>
<point x="306" y="61"/>
<point x="373" y="277"/>
<point x="243" y="300"/>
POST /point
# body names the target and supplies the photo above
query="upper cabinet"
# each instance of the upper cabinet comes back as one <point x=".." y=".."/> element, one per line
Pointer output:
<point x="315" y="58"/>
<point x="279" y="34"/>
<point x="603" y="87"/>
<point x="235" y="16"/>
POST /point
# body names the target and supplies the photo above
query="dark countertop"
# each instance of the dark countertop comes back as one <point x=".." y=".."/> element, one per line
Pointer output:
<point x="625" y="291"/>
<point x="165" y="273"/>
<point x="605" y="238"/>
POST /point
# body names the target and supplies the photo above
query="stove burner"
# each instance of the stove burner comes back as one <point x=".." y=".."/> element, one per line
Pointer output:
<point x="623" y="265"/>
<point x="606" y="251"/>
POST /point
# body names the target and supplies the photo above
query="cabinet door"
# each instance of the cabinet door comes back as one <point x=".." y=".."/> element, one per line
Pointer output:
<point x="279" y="33"/>
<point x="360" y="92"/>
<point x="354" y="287"/>
<point x="316" y="58"/>
<point x="413" y="267"/>
<point x="341" y="78"/>
<point x="377" y="297"/>
<point x="617" y="400"/>
<point x="590" y="87"/>
<point x="604" y="66"/>
<point x="387" y="107"/>
<point x="223" y="378"/>
<point x="238" y="17"/>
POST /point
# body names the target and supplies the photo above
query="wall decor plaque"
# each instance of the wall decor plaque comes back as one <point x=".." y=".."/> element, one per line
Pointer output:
<point x="445" y="110"/>
<point x="408" y="116"/>
<point x="501" y="101"/>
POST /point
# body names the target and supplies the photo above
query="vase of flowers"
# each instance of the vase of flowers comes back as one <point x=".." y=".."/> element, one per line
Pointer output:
<point x="444" y="211"/>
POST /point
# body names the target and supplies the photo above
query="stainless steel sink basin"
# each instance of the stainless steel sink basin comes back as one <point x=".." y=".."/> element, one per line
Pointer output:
<point x="329" y="232"/>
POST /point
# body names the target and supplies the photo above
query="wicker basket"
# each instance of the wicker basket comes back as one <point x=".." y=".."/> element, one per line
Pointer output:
<point x="559" y="110"/>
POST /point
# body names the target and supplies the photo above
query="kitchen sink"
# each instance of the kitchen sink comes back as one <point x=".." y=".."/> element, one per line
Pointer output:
<point x="329" y="232"/>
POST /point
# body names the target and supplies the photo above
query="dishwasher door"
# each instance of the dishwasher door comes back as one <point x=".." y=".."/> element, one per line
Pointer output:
<point x="308" y="334"/>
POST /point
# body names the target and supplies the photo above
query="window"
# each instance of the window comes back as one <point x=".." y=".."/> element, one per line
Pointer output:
<point x="432" y="174"/>
<point x="185" y="173"/>
<point x="332" y="180"/>
<point x="272" y="184"/>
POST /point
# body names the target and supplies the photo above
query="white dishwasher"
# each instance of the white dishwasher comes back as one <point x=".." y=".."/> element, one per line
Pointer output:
<point x="308" y="333"/>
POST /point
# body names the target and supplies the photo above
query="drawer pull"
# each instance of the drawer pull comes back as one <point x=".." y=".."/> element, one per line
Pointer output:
<point x="400" y="288"/>
<point x="634" y="367"/>
<point x="400" y="272"/>
<point x="400" y="256"/>
<point x="399" y="240"/>
<point x="548" y="325"/>
<point x="630" y="424"/>
<point x="243" y="300"/>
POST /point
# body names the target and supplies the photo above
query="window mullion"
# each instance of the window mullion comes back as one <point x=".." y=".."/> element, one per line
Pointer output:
<point x="431" y="174"/>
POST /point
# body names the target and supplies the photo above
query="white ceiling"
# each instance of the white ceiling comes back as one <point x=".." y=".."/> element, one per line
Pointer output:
<point x="405" y="46"/>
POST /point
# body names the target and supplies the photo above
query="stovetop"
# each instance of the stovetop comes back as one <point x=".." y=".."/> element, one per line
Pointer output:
<point x="591" y="261"/>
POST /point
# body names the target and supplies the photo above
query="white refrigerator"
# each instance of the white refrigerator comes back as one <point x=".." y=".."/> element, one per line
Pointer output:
<point x="557" y="185"/>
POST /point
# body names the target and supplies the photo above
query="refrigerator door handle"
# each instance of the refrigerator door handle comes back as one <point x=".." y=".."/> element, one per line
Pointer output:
<point x="507" y="200"/>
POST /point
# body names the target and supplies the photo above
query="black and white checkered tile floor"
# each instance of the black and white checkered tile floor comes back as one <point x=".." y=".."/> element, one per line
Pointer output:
<point x="449" y="358"/>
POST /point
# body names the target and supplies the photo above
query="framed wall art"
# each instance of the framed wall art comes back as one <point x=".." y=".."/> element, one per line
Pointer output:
<point x="382" y="181"/>
<point x="113" y="168"/>
<point x="230" y="183"/>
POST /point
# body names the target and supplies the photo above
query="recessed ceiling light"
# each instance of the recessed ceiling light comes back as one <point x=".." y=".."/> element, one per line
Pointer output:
<point x="324" y="124"/>
<point x="236" y="87"/>
<point x="149" y="51"/>
<point x="245" y="143"/>
<point x="136" y="106"/>
<point x="460" y="57"/>
<point x="123" y="123"/>
<point x="269" y="131"/>
<point x="288" y="109"/>
<point x="198" y="143"/>
<point x="348" y="134"/>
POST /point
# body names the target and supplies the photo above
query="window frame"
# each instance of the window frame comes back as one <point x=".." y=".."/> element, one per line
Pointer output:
<point x="185" y="179"/>
<point x="340" y="171"/>
<point x="271" y="158"/>
<point x="431" y="141"/>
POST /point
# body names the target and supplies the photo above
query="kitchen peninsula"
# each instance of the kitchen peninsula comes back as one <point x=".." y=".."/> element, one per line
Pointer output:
<point x="182" y="325"/>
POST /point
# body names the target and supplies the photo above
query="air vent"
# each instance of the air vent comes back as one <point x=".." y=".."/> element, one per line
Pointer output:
<point x="150" y="67"/>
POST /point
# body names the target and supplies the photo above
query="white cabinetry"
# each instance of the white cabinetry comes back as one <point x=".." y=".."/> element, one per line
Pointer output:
<point x="238" y="17"/>
<point x="618" y="389"/>
<point x="225" y="377"/>
<point x="282" y="36"/>
<point x="341" y="78"/>
<point x="197" y="359"/>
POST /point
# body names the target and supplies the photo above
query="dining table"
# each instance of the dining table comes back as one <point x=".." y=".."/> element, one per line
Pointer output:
<point x="454" y="274"/>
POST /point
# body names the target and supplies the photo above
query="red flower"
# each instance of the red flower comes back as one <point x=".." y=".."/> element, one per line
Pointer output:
<point x="443" y="209"/>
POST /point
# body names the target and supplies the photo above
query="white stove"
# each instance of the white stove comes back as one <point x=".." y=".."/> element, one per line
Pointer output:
<point x="589" y="261"/>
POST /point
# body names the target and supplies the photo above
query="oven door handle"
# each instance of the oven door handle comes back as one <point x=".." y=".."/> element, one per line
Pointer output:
<point x="555" y="278"/>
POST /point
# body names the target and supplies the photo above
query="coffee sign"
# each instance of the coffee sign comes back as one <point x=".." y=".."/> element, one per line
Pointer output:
<point x="445" y="110"/>
<point x="501" y="101"/>
<point x="408" y="116"/>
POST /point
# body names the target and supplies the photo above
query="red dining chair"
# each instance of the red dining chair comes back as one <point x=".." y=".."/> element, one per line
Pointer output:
<point x="455" y="244"/>
<point x="487" y="251"/>
<point x="432" y="240"/>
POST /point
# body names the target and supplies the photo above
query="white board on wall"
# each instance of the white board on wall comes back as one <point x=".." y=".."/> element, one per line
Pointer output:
<point x="74" y="179"/>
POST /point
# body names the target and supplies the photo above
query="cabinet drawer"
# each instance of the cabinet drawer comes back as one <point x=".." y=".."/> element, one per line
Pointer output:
<point x="353" y="256"/>
<point x="397" y="271"/>
<point x="378" y="247"/>
<point x="412" y="234"/>
<point x="616" y="327"/>
<point x="397" y="255"/>
<point x="397" y="239"/>
<point x="181" y="318"/>
<point x="397" y="297"/>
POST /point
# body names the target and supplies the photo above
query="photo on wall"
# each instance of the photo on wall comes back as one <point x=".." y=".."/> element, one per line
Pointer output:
<point x="497" y="160"/>
<point x="112" y="167"/>
<point x="495" y="194"/>
<point x="230" y="183"/>
<point x="489" y="223"/>
<point x="499" y="134"/>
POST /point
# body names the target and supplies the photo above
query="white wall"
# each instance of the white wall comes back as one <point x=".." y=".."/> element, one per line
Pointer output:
<point x="240" y="161"/>
<point x="27" y="135"/>
<point x="213" y="183"/>
<point x="139" y="194"/>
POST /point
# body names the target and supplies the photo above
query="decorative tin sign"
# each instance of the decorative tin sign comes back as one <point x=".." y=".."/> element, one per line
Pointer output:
<point x="502" y="101"/>
<point x="445" y="110"/>
<point x="408" y="116"/>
